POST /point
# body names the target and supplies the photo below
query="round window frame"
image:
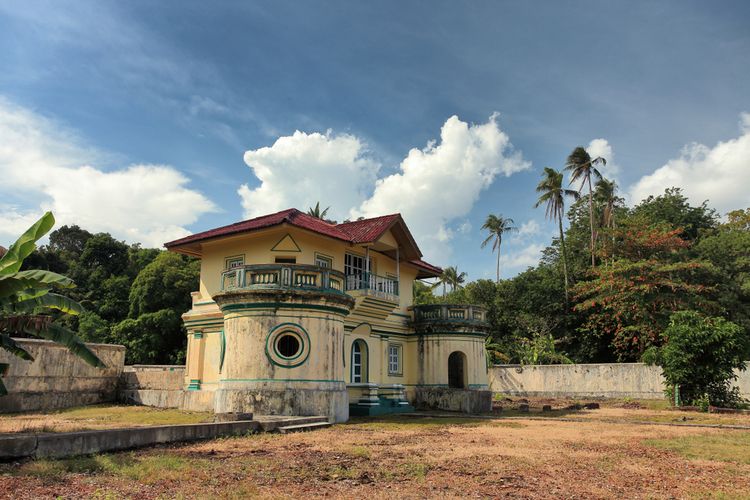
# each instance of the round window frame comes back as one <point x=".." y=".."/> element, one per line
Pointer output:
<point x="279" y="331"/>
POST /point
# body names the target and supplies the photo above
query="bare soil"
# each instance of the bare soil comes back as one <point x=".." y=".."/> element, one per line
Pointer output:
<point x="415" y="457"/>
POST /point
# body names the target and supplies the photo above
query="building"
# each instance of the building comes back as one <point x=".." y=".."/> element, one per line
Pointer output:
<point x="299" y="316"/>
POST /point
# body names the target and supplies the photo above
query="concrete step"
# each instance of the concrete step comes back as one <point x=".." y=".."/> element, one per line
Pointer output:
<point x="303" y="427"/>
<point x="271" y="424"/>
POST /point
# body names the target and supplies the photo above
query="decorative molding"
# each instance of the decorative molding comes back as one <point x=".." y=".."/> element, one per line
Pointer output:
<point x="286" y="244"/>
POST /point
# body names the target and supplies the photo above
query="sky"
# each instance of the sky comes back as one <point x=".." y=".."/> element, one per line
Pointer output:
<point x="153" y="120"/>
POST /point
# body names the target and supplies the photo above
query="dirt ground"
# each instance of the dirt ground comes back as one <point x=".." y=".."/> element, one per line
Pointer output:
<point x="417" y="457"/>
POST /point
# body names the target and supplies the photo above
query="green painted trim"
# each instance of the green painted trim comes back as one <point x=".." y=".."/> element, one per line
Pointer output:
<point x="205" y="303"/>
<point x="322" y="318"/>
<point x="207" y="322"/>
<point x="281" y="380"/>
<point x="273" y="248"/>
<point x="296" y="329"/>
<point x="280" y="305"/>
<point x="223" y="349"/>
<point x="195" y="384"/>
<point x="198" y="335"/>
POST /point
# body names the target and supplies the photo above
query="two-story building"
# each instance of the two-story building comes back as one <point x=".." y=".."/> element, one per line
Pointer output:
<point x="299" y="316"/>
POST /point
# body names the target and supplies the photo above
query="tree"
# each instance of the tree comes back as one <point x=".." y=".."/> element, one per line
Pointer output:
<point x="673" y="208"/>
<point x="497" y="226"/>
<point x="165" y="283"/>
<point x="700" y="355"/>
<point x="315" y="211"/>
<point x="581" y="167"/>
<point x="607" y="201"/>
<point x="152" y="338"/>
<point x="452" y="278"/>
<point x="552" y="194"/>
<point x="629" y="302"/>
<point x="27" y="301"/>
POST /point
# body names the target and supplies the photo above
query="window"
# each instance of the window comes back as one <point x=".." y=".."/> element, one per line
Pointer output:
<point x="355" y="264"/>
<point x="323" y="261"/>
<point x="394" y="359"/>
<point x="286" y="260"/>
<point x="234" y="262"/>
<point x="359" y="362"/>
<point x="288" y="345"/>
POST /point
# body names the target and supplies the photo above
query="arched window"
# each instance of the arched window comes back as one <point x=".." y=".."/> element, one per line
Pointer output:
<point x="457" y="376"/>
<point x="359" y="362"/>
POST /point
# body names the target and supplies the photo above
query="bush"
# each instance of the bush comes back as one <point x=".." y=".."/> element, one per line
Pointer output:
<point x="700" y="355"/>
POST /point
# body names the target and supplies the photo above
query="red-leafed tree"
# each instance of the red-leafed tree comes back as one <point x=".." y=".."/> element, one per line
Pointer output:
<point x="629" y="301"/>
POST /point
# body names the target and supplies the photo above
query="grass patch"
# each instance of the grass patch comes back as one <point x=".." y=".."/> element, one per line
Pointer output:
<point x="358" y="452"/>
<point x="391" y="423"/>
<point x="726" y="447"/>
<point x="146" y="469"/>
<point x="98" y="417"/>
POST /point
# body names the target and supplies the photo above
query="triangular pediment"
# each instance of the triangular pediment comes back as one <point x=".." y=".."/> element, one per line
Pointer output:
<point x="286" y="244"/>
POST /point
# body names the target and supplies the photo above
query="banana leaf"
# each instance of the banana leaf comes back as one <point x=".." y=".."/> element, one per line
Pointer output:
<point x="49" y="300"/>
<point x="14" y="348"/>
<point x="22" y="248"/>
<point x="63" y="336"/>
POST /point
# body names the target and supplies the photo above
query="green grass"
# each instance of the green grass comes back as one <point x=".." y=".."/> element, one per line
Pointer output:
<point x="726" y="447"/>
<point x="138" y="467"/>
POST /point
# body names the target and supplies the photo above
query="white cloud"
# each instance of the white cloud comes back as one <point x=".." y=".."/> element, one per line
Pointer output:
<point x="440" y="183"/>
<point x="602" y="147"/>
<point x="720" y="174"/>
<point x="518" y="260"/>
<point x="529" y="228"/>
<point x="49" y="167"/>
<point x="302" y="169"/>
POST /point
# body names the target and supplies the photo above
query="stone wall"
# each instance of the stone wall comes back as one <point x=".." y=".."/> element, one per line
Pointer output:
<point x="444" y="398"/>
<point x="57" y="378"/>
<point x="152" y="385"/>
<point x="610" y="380"/>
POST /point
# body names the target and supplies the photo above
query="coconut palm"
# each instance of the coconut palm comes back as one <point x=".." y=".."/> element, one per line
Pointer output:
<point x="552" y="194"/>
<point x="497" y="225"/>
<point x="582" y="167"/>
<point x="315" y="211"/>
<point x="452" y="278"/>
<point x="26" y="300"/>
<point x="607" y="199"/>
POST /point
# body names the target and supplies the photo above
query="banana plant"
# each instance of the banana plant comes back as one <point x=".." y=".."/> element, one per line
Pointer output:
<point x="27" y="299"/>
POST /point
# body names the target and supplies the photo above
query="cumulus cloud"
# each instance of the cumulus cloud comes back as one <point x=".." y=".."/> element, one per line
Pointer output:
<point x="720" y="174"/>
<point x="302" y="169"/>
<point x="602" y="147"/>
<point x="518" y="260"/>
<point x="49" y="168"/>
<point x="529" y="228"/>
<point x="439" y="184"/>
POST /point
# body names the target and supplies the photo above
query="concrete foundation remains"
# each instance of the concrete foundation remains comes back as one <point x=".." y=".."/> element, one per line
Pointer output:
<point x="59" y="379"/>
<point x="461" y="400"/>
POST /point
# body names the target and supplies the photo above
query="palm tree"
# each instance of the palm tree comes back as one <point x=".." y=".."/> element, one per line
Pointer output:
<point x="606" y="198"/>
<point x="452" y="278"/>
<point x="26" y="299"/>
<point x="553" y="195"/>
<point x="581" y="166"/>
<point x="497" y="226"/>
<point x="315" y="211"/>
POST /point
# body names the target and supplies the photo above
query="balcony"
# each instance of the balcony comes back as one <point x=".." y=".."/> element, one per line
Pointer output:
<point x="387" y="287"/>
<point x="449" y="317"/>
<point x="283" y="276"/>
<point x="375" y="296"/>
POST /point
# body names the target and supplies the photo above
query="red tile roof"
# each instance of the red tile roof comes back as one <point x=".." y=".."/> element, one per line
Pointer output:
<point x="360" y="231"/>
<point x="366" y="230"/>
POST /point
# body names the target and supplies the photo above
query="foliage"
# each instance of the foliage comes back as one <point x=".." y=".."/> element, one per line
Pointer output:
<point x="538" y="346"/>
<point x="452" y="278"/>
<point x="316" y="212"/>
<point x="152" y="338"/>
<point x="700" y="355"/>
<point x="582" y="167"/>
<point x="673" y="208"/>
<point x="28" y="303"/>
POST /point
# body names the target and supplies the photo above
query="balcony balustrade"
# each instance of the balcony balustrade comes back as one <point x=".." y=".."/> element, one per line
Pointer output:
<point x="441" y="313"/>
<point x="373" y="282"/>
<point x="283" y="276"/>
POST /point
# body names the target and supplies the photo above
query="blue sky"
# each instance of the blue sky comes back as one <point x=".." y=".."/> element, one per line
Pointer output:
<point x="137" y="117"/>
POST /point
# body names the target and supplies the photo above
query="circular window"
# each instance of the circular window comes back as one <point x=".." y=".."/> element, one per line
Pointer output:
<point x="288" y="345"/>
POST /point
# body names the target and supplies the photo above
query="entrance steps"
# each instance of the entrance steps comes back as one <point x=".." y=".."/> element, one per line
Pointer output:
<point x="283" y="424"/>
<point x="303" y="427"/>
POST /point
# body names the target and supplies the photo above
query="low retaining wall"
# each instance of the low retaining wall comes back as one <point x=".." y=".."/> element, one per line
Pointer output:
<point x="442" y="398"/>
<point x="161" y="386"/>
<point x="608" y="380"/>
<point x="59" y="379"/>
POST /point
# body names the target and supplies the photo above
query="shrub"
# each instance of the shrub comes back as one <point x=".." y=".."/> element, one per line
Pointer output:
<point x="700" y="355"/>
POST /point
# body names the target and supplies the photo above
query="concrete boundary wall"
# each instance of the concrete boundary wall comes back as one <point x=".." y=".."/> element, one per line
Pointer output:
<point x="608" y="380"/>
<point x="58" y="378"/>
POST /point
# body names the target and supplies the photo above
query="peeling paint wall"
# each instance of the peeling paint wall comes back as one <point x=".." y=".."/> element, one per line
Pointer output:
<point x="58" y="379"/>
